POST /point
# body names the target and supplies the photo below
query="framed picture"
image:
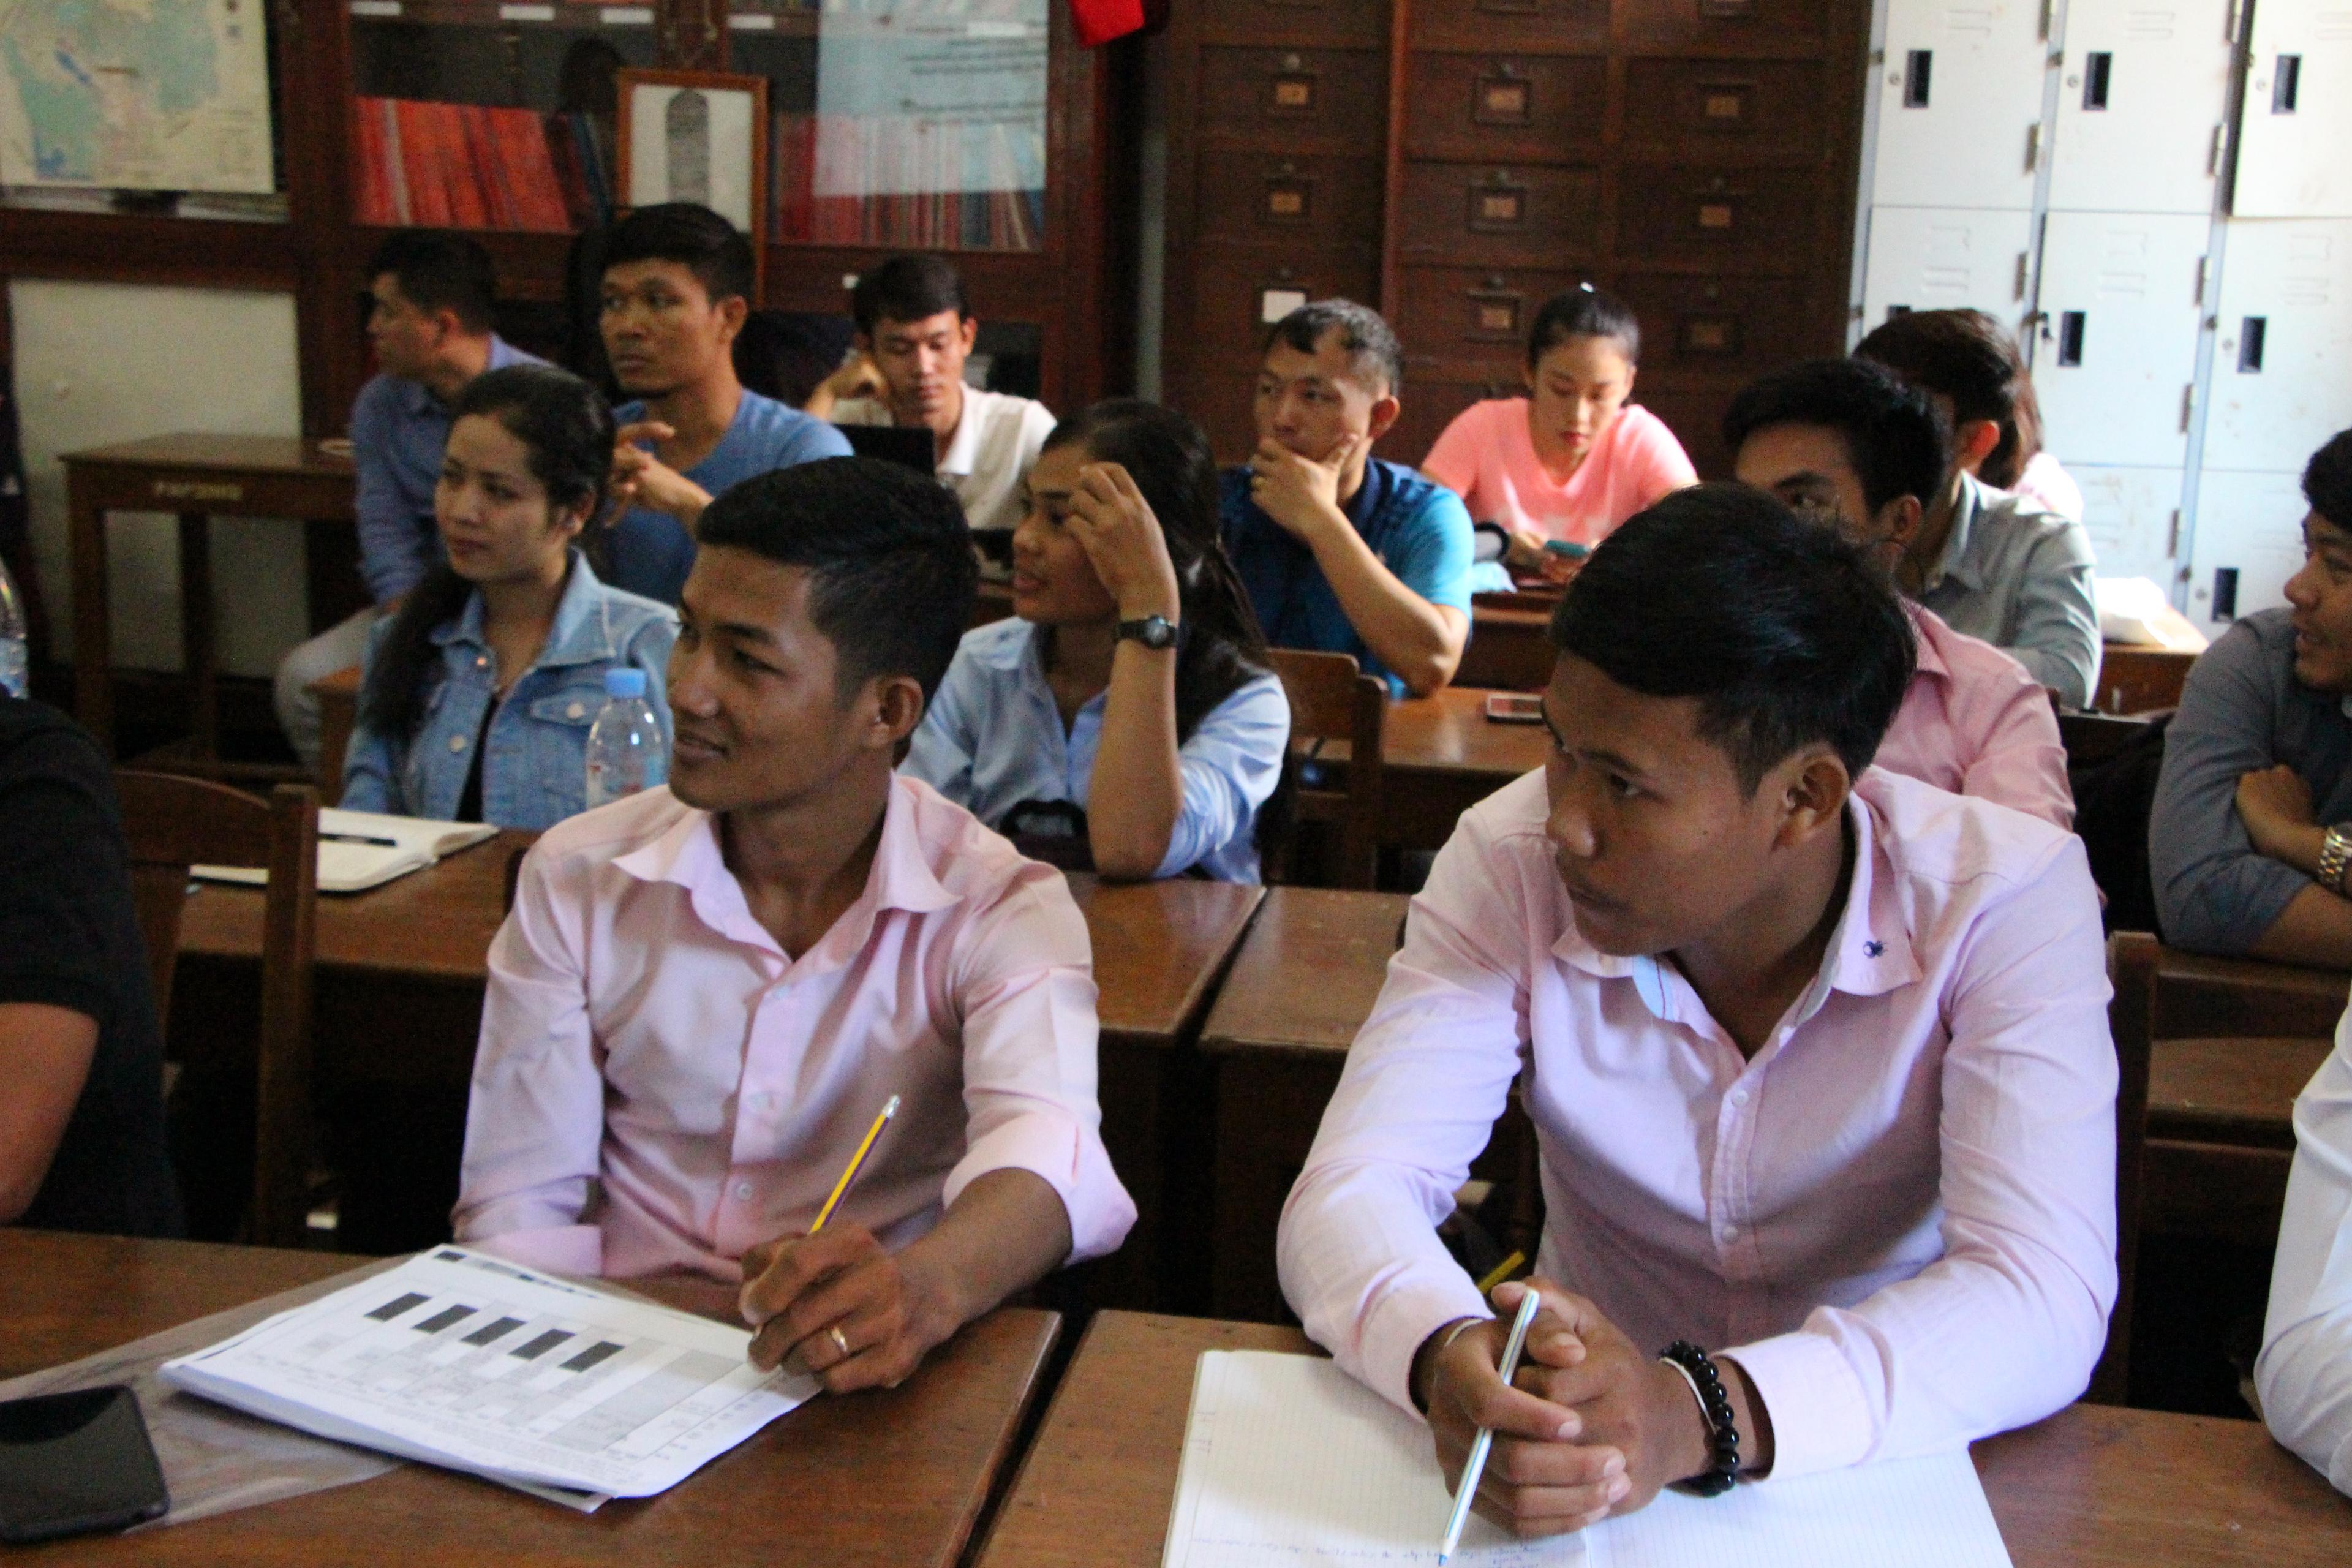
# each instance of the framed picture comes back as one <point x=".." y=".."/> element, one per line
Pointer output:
<point x="695" y="136"/>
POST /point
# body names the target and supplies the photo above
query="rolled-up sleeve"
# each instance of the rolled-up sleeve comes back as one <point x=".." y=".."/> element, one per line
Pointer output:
<point x="2007" y="1325"/>
<point x="2305" y="1373"/>
<point x="2055" y="624"/>
<point x="1229" y="768"/>
<point x="1360" y="1258"/>
<point x="2214" y="891"/>
<point x="535" y="1118"/>
<point x="1024" y="976"/>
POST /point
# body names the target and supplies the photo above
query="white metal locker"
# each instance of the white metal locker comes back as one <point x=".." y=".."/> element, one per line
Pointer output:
<point x="1939" y="259"/>
<point x="1959" y="112"/>
<point x="2283" y="356"/>
<point x="2133" y="517"/>
<point x="2119" y="304"/>
<point x="2141" y="106"/>
<point x="2296" y="122"/>
<point x="2249" y="542"/>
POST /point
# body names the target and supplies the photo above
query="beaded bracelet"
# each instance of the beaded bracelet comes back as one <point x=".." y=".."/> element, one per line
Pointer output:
<point x="1707" y="1387"/>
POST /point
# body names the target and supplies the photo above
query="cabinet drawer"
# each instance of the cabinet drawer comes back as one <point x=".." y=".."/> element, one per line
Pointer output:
<point x="1542" y="24"/>
<point x="1778" y="28"/>
<point x="1735" y="326"/>
<point x="1753" y="219"/>
<point x="1309" y="200"/>
<point x="1496" y="215"/>
<point x="1307" y="100"/>
<point x="1239" y="292"/>
<point x="1696" y="416"/>
<point x="1342" y="23"/>
<point x="1464" y="316"/>
<point x="1703" y="106"/>
<point x="1532" y="108"/>
<point x="1431" y="403"/>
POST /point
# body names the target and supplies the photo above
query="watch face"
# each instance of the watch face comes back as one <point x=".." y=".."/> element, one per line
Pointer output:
<point x="1153" y="631"/>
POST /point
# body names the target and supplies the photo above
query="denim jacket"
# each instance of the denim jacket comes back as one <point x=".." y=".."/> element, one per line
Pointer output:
<point x="536" y="772"/>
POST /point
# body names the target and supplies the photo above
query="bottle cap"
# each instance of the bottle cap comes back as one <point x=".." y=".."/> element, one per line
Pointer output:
<point x="627" y="682"/>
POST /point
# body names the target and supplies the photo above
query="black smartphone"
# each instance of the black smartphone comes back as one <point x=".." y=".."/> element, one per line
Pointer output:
<point x="74" y="1463"/>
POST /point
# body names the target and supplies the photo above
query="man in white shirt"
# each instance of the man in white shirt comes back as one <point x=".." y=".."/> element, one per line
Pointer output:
<point x="914" y="334"/>
<point x="2305" y="1375"/>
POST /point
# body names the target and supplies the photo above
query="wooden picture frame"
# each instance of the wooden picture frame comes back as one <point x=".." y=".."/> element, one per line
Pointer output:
<point x="733" y="122"/>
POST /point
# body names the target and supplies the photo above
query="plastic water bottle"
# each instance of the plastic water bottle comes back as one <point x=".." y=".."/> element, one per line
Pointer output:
<point x="625" y="751"/>
<point x="16" y="663"/>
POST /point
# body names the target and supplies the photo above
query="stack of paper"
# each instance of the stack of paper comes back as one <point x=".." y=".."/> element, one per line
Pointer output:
<point x="363" y="849"/>
<point x="1290" y="1463"/>
<point x="475" y="1363"/>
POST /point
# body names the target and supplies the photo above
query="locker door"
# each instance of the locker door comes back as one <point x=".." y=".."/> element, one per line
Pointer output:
<point x="2119" y="336"/>
<point x="2140" y="106"/>
<point x="2297" y="119"/>
<point x="2131" y="515"/>
<point x="1959" y="103"/>
<point x="2283" y="356"/>
<point x="2249" y="542"/>
<point x="1937" y="258"/>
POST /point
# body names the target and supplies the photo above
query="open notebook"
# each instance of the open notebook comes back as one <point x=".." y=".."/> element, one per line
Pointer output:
<point x="1291" y="1463"/>
<point x="363" y="849"/>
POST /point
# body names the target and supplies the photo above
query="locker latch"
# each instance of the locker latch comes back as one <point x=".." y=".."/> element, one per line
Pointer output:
<point x="2096" y="69"/>
<point x="1917" y="66"/>
<point x="2251" y="333"/>
<point x="2285" y="81"/>
<point x="2070" y="337"/>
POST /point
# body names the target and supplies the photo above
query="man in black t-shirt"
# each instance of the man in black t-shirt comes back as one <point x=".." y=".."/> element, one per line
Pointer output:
<point x="81" y="1059"/>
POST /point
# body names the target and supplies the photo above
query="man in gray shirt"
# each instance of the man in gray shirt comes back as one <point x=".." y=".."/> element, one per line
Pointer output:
<point x="2252" y="821"/>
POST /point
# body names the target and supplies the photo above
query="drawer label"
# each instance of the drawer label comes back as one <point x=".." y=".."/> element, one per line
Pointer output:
<point x="197" y="490"/>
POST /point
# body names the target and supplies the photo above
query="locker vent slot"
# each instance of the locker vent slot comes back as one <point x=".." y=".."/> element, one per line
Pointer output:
<point x="2070" y="338"/>
<point x="2096" y="70"/>
<point x="2225" y="594"/>
<point x="2251" y="333"/>
<point x="2284" y="83"/>
<point x="1915" y="68"/>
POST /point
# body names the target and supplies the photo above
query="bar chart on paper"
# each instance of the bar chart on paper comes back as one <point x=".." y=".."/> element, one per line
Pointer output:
<point x="464" y="1360"/>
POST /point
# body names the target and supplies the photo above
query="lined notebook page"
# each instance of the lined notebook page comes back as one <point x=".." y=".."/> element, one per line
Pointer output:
<point x="1290" y="1463"/>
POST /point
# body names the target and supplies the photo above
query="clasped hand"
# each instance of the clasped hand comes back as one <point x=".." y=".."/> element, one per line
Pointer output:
<point x="840" y="1306"/>
<point x="640" y="479"/>
<point x="1589" y="1426"/>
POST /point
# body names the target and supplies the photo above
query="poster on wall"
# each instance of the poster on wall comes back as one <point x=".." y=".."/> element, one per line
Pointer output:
<point x="695" y="136"/>
<point x="142" y="95"/>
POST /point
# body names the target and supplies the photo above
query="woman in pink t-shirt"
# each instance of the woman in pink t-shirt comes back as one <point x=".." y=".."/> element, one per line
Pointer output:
<point x="1572" y="459"/>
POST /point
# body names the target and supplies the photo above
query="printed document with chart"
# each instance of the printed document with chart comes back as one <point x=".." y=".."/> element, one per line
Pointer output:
<point x="466" y="1361"/>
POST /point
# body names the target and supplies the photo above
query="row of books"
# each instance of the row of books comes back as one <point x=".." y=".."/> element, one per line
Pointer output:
<point x="469" y="165"/>
<point x="930" y="185"/>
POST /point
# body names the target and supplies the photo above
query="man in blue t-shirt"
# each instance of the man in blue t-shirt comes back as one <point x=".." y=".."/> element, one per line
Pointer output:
<point x="1341" y="552"/>
<point x="678" y="284"/>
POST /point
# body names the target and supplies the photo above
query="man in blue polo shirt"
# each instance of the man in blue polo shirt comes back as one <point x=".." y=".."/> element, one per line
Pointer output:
<point x="1342" y="553"/>
<point x="430" y="325"/>
<point x="678" y="284"/>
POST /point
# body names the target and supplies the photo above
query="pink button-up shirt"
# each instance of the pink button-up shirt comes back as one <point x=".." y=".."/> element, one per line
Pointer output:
<point x="1899" y="1216"/>
<point x="659" y="1087"/>
<point x="1974" y="722"/>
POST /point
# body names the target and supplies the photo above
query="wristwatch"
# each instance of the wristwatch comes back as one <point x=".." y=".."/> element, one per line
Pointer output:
<point x="2334" y="853"/>
<point x="1151" y="631"/>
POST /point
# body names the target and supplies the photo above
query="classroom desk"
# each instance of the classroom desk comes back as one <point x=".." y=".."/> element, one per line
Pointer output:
<point x="2134" y="680"/>
<point x="198" y="478"/>
<point x="2093" y="1487"/>
<point x="887" y="1477"/>
<point x="1444" y="755"/>
<point x="2221" y="1135"/>
<point x="1510" y="642"/>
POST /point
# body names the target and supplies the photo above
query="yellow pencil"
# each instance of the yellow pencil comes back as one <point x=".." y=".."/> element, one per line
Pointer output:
<point x="855" y="1161"/>
<point x="1501" y="1271"/>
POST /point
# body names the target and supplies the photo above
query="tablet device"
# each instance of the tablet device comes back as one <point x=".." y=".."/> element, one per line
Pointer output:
<point x="73" y="1463"/>
<point x="909" y="447"/>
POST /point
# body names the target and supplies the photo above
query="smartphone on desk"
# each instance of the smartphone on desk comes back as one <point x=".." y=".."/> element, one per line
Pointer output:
<point x="1566" y="548"/>
<point x="74" y="1463"/>
<point x="1514" y="707"/>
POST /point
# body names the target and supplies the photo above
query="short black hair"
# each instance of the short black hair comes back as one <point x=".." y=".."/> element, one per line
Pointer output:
<point x="906" y="288"/>
<point x="1971" y="358"/>
<point x="438" y="271"/>
<point x="1899" y="441"/>
<point x="692" y="235"/>
<point x="2327" y="480"/>
<point x="1783" y="630"/>
<point x="1369" y="340"/>
<point x="889" y="554"/>
<point x="1585" y="312"/>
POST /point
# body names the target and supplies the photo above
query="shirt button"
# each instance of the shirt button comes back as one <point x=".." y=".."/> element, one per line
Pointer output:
<point x="574" y="712"/>
<point x="743" y="1192"/>
<point x="481" y="661"/>
<point x="1738" y="1097"/>
<point x="457" y="742"/>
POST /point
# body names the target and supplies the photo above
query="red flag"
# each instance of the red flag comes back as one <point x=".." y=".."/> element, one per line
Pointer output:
<point x="1100" y="21"/>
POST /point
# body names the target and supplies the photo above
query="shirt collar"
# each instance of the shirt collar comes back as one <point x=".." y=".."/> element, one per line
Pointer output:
<point x="963" y="446"/>
<point x="580" y="633"/>
<point x="1361" y="506"/>
<point x="1928" y="658"/>
<point x="1954" y="561"/>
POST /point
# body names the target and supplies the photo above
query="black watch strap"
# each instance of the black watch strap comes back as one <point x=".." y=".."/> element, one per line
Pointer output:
<point x="1151" y="631"/>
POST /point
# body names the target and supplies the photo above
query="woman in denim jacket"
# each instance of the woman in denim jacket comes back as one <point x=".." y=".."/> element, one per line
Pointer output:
<point x="477" y="695"/>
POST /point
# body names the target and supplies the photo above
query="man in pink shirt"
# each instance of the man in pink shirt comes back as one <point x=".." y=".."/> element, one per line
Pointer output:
<point x="1817" y="1057"/>
<point x="1844" y="441"/>
<point x="706" y="993"/>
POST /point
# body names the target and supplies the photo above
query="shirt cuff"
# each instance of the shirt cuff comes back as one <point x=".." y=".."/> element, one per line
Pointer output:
<point x="1070" y="1158"/>
<point x="1813" y="1400"/>
<point x="577" y="1250"/>
<point x="1402" y="1322"/>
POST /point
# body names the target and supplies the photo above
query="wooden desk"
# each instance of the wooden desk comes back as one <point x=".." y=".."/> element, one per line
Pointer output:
<point x="1510" y="642"/>
<point x="338" y="714"/>
<point x="1444" y="756"/>
<point x="2140" y="680"/>
<point x="2221" y="1135"/>
<point x="2093" y="1487"/>
<point x="198" y="478"/>
<point x="2199" y="996"/>
<point x="895" y="1476"/>
<point x="1302" y="985"/>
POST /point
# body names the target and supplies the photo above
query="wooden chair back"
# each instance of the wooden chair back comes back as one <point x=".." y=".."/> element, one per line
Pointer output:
<point x="172" y="823"/>
<point x="338" y="711"/>
<point x="1332" y="700"/>
<point x="2132" y="961"/>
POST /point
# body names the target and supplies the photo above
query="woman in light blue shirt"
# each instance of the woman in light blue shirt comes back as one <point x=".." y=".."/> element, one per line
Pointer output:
<point x="1128" y="710"/>
<point x="477" y="695"/>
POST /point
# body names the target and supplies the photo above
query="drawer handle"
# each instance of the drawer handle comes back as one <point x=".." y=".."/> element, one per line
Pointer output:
<point x="2286" y="82"/>
<point x="2097" y="68"/>
<point x="1918" y="66"/>
<point x="2071" y="327"/>
<point x="1714" y="214"/>
<point x="2250" y="333"/>
<point x="1504" y="100"/>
